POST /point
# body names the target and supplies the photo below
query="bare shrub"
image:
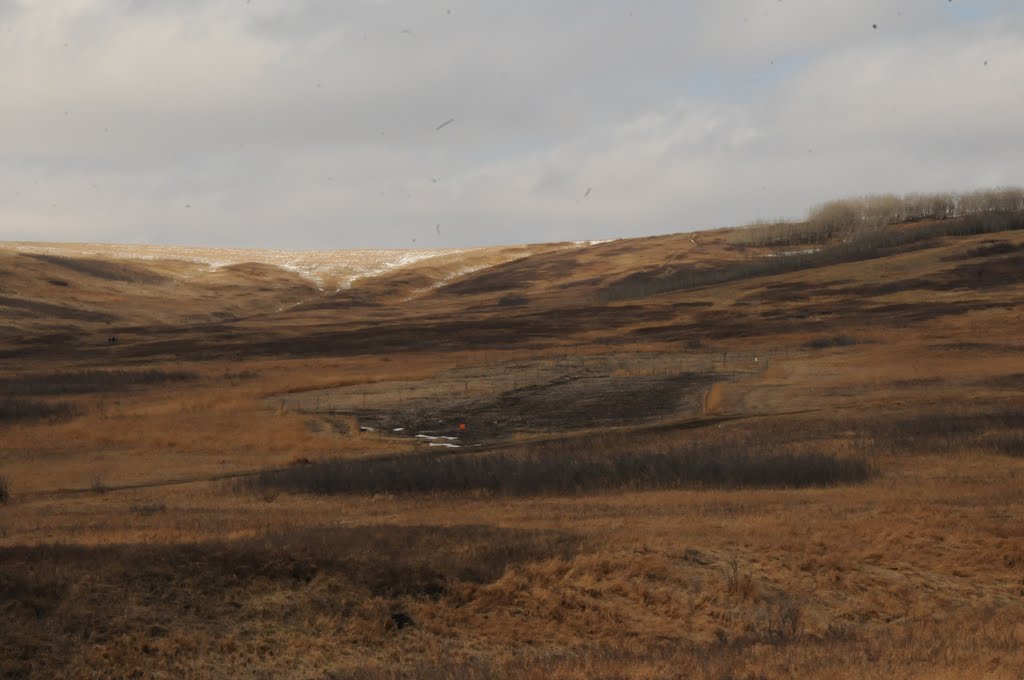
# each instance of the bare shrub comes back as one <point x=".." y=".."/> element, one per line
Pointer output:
<point x="737" y="581"/>
<point x="843" y="218"/>
<point x="783" y="621"/>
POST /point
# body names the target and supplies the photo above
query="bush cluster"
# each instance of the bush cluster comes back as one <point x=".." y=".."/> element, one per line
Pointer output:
<point x="531" y="473"/>
<point x="842" y="218"/>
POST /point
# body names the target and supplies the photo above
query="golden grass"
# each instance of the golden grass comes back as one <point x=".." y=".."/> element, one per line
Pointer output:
<point x="128" y="550"/>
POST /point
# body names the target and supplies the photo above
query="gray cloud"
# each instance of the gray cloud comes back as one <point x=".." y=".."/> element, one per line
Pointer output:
<point x="313" y="123"/>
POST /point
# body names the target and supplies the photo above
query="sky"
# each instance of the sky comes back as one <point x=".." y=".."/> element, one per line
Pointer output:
<point x="338" y="124"/>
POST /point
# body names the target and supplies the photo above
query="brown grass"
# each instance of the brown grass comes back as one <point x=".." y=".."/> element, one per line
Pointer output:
<point x="915" y="572"/>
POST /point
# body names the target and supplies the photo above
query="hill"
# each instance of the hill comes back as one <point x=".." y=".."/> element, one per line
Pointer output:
<point x="756" y="452"/>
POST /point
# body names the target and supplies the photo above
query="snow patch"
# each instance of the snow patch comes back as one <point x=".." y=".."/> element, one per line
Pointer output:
<point x="808" y="251"/>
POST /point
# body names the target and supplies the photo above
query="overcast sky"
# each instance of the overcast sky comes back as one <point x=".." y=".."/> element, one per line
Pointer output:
<point x="370" y="123"/>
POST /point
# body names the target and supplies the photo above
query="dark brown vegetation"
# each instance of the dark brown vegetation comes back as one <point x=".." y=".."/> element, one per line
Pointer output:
<point x="734" y="466"/>
<point x="13" y="410"/>
<point x="85" y="382"/>
<point x="859" y="244"/>
<point x="56" y="598"/>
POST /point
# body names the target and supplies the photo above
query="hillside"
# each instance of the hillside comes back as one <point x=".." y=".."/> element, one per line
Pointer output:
<point x="773" y="451"/>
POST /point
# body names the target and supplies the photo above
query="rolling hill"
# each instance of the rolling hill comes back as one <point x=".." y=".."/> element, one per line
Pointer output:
<point x="780" y="450"/>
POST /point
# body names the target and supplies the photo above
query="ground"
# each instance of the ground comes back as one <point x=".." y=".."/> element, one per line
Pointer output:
<point x="236" y="488"/>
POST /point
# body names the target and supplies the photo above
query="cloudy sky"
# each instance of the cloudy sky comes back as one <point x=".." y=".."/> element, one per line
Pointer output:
<point x="376" y="123"/>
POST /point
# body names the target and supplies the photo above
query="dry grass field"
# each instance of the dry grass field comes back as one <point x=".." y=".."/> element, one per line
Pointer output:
<point x="747" y="454"/>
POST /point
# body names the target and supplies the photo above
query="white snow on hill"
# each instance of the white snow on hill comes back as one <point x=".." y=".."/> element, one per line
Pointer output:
<point x="338" y="268"/>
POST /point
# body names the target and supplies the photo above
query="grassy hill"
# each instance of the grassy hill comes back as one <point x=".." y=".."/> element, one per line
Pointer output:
<point x="772" y="451"/>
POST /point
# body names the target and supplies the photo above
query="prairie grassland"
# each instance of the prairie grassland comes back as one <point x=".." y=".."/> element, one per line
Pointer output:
<point x="915" y="572"/>
<point x="634" y="496"/>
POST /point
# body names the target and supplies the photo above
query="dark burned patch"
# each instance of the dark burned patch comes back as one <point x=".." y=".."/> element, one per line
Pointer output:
<point x="15" y="410"/>
<point x="914" y="383"/>
<point x="50" y="339"/>
<point x="977" y="347"/>
<point x="519" y="327"/>
<point x="591" y="401"/>
<point x="989" y="249"/>
<point x="85" y="382"/>
<point x="36" y="308"/>
<point x="582" y="283"/>
<point x="102" y="269"/>
<point x="831" y="341"/>
<point x="658" y="331"/>
<point x="58" y="598"/>
<point x="355" y="297"/>
<point x="789" y="291"/>
<point x="567" y="403"/>
<point x="1011" y="381"/>
<point x="789" y="285"/>
<point x="922" y="311"/>
<point x="514" y="275"/>
<point x="992" y="273"/>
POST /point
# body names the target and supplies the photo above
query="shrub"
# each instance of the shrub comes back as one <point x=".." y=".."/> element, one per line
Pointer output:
<point x="524" y="474"/>
<point x="845" y="217"/>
